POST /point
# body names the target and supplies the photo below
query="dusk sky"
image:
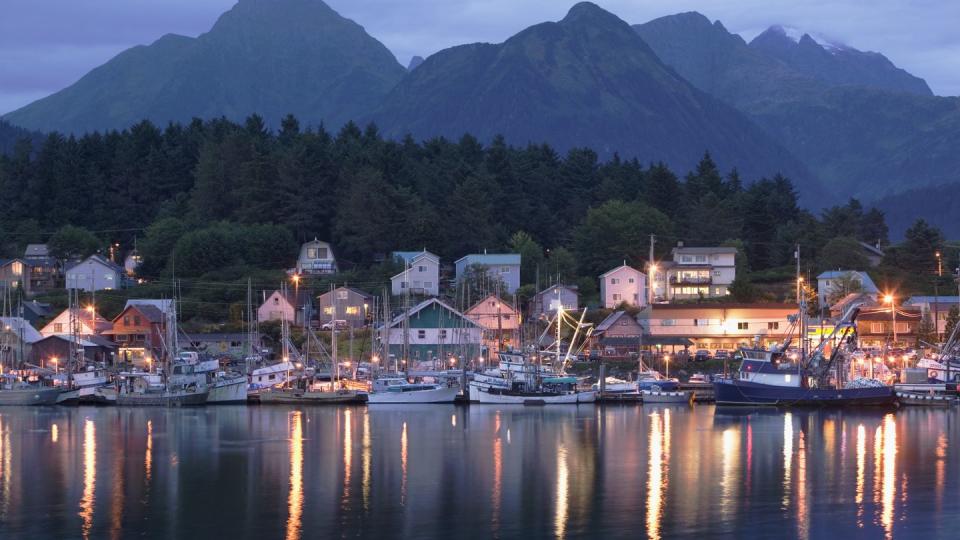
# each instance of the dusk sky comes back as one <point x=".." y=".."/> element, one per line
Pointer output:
<point x="46" y="45"/>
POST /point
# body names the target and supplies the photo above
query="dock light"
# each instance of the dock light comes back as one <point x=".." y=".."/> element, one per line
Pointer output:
<point x="346" y="364"/>
<point x="90" y="308"/>
<point x="298" y="365"/>
<point x="296" y="278"/>
<point x="285" y="359"/>
<point x="375" y="359"/>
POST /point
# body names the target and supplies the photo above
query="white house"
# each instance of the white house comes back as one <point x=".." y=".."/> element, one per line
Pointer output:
<point x="834" y="284"/>
<point x="316" y="258"/>
<point x="94" y="274"/>
<point x="292" y="307"/>
<point x="88" y="321"/>
<point x="623" y="284"/>
<point x="505" y="266"/>
<point x="554" y="297"/>
<point x="421" y="274"/>
<point x="696" y="272"/>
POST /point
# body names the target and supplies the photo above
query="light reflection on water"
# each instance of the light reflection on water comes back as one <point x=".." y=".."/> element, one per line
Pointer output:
<point x="655" y="472"/>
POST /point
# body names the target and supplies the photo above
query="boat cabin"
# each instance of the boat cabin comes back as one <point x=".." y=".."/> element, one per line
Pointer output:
<point x="770" y="367"/>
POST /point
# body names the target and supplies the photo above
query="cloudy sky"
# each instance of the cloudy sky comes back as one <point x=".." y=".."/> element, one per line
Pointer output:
<point x="48" y="44"/>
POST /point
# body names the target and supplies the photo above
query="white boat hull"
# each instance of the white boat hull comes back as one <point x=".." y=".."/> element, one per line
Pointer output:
<point x="443" y="394"/>
<point x="228" y="391"/>
<point x="649" y="396"/>
<point x="496" y="398"/>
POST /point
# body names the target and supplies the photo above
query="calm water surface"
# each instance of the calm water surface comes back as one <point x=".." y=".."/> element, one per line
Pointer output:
<point x="478" y="472"/>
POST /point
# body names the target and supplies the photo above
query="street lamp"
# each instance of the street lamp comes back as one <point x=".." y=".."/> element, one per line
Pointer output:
<point x="653" y="272"/>
<point x="888" y="299"/>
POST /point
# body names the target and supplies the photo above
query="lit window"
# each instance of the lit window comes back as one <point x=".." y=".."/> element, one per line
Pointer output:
<point x="353" y="310"/>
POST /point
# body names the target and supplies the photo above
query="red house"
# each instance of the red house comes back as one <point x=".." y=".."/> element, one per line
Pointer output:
<point x="139" y="332"/>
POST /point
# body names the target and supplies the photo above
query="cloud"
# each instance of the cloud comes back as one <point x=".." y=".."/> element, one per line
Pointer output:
<point x="46" y="45"/>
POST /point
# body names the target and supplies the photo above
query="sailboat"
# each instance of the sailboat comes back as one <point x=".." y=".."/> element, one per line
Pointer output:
<point x="175" y="385"/>
<point x="524" y="381"/>
<point x="307" y="388"/>
<point x="82" y="383"/>
<point x="771" y="377"/>
<point x="19" y="386"/>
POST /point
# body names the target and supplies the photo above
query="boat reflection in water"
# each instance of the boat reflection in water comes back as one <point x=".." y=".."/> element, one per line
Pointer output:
<point x="405" y="471"/>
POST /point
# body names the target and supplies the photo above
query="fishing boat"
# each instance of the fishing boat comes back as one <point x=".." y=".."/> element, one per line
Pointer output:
<point x="224" y="386"/>
<point x="15" y="389"/>
<point x="678" y="396"/>
<point x="527" y="383"/>
<point x="84" y="388"/>
<point x="142" y="389"/>
<point x="308" y="391"/>
<point x="399" y="390"/>
<point x="774" y="377"/>
<point x="925" y="399"/>
<point x="613" y="385"/>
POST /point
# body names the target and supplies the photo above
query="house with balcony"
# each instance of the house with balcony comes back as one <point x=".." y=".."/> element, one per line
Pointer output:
<point x="15" y="275"/>
<point x="623" y="284"/>
<point x="546" y="302"/>
<point x="504" y="267"/>
<point x="316" y="258"/>
<point x="696" y="272"/>
<point x="345" y="304"/>
<point x="95" y="273"/>
<point x="43" y="268"/>
<point x="421" y="274"/>
<point x="721" y="326"/>
<point x="434" y="333"/>
<point x="499" y="320"/>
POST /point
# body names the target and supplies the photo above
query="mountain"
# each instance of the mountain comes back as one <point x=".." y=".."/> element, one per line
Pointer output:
<point x="939" y="205"/>
<point x="587" y="80"/>
<point x="861" y="139"/>
<point x="836" y="63"/>
<point x="271" y="57"/>
<point x="414" y="63"/>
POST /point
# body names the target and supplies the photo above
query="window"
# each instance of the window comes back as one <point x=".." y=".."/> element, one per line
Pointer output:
<point x="352" y="310"/>
<point x="716" y="273"/>
<point x="667" y="322"/>
<point x="743" y="326"/>
<point x="687" y="258"/>
<point x="311" y="253"/>
<point x="506" y="317"/>
<point x="443" y="334"/>
<point x="903" y="327"/>
<point x="699" y="322"/>
<point x="17" y="268"/>
<point x="427" y="284"/>
<point x="126" y="320"/>
<point x="416" y="284"/>
<point x="773" y="326"/>
<point x="58" y="328"/>
<point x="614" y="281"/>
<point x="504" y="269"/>
<point x="876" y="328"/>
<point x="421" y="268"/>
<point x="136" y="320"/>
<point x="276" y="301"/>
<point x="342" y="295"/>
<point x="616" y="297"/>
<point x="328" y="310"/>
<point x="404" y="284"/>
<point x="630" y="280"/>
<point x="421" y="334"/>
<point x="701" y="258"/>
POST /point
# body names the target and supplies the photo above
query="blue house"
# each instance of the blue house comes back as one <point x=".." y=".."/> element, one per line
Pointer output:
<point x="505" y="266"/>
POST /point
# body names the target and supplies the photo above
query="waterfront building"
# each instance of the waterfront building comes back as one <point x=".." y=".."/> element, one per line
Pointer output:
<point x="875" y="326"/>
<point x="432" y="331"/>
<point x="620" y="335"/>
<point x="57" y="347"/>
<point x="504" y="267"/>
<point x="499" y="320"/>
<point x="623" y="284"/>
<point x="18" y="335"/>
<point x="721" y="326"/>
<point x="421" y="274"/>
<point x="139" y="332"/>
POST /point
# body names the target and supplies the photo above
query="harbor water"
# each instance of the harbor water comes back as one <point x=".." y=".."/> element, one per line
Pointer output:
<point x="397" y="471"/>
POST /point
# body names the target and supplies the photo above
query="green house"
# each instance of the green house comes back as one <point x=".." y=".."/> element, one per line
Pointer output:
<point x="434" y="331"/>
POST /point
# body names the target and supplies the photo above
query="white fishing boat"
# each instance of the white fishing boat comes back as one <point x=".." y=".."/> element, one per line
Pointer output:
<point x="83" y="388"/>
<point x="549" y="391"/>
<point x="271" y="375"/>
<point x="613" y="385"/>
<point x="224" y="386"/>
<point x="399" y="390"/>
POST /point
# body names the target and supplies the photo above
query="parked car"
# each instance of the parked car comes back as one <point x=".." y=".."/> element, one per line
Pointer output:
<point x="722" y="355"/>
<point x="702" y="355"/>
<point x="338" y="324"/>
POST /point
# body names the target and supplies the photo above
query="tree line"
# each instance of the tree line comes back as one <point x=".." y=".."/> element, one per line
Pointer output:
<point x="217" y="196"/>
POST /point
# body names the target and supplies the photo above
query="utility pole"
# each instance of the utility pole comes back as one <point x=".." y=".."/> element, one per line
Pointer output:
<point x="936" y="298"/>
<point x="651" y="271"/>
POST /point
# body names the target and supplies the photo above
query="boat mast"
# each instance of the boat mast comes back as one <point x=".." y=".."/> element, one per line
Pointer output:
<point x="333" y="331"/>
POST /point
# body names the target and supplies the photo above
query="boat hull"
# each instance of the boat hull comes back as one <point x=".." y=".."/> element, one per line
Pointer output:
<point x="652" y="396"/>
<point x="87" y="395"/>
<point x="444" y="394"/>
<point x="228" y="391"/>
<point x="736" y="392"/>
<point x="925" y="400"/>
<point x="166" y="399"/>
<point x="29" y="396"/>
<point x="299" y="397"/>
<point x="504" y="397"/>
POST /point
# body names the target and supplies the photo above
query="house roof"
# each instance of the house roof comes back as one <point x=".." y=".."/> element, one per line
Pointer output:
<point x="946" y="300"/>
<point x="18" y="324"/>
<point x="410" y="256"/>
<point x="868" y="285"/>
<point x="151" y="312"/>
<point x="344" y="288"/>
<point x="505" y="306"/>
<point x="555" y="286"/>
<point x="425" y="304"/>
<point x="37" y="250"/>
<point x="88" y="341"/>
<point x="221" y="336"/>
<point x="874" y="250"/>
<point x="165" y="305"/>
<point x="729" y="305"/>
<point x="610" y="321"/>
<point x="844" y="303"/>
<point x="97" y="259"/>
<point x="490" y="258"/>
<point x="40" y="309"/>
<point x="621" y="267"/>
<point x="98" y="321"/>
<point x="705" y="250"/>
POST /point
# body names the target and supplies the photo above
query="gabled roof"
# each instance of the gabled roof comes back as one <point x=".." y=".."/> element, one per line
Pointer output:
<point x="572" y="288"/>
<point x="621" y="267"/>
<point x="844" y="303"/>
<point x="868" y="285"/>
<point x="424" y="305"/>
<point x="504" y="306"/>
<point x="409" y="257"/>
<point x="97" y="259"/>
<point x="705" y="250"/>
<point x="18" y="324"/>
<point x="37" y="250"/>
<point x="874" y="250"/>
<point x="491" y="258"/>
<point x="152" y="313"/>
<point x="164" y="305"/>
<point x="87" y="341"/>
<point x="612" y="320"/>
<point x="345" y="288"/>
